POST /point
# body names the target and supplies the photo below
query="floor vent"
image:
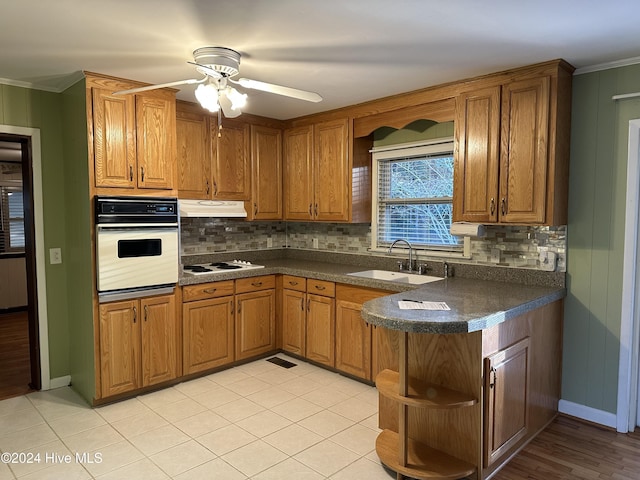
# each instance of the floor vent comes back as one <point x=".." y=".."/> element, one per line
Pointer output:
<point x="281" y="362"/>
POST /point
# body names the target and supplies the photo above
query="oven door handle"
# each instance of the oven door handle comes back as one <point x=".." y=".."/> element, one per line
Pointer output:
<point x="146" y="226"/>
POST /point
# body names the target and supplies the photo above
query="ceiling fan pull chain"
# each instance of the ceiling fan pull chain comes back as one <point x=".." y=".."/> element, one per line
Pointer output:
<point x="219" y="122"/>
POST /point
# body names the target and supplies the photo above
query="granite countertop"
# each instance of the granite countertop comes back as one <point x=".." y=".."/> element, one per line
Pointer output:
<point x="474" y="304"/>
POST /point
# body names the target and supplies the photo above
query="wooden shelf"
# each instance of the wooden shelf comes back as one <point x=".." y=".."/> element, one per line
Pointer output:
<point x="421" y="394"/>
<point x="423" y="462"/>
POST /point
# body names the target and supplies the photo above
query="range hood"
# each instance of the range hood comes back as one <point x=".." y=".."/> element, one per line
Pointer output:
<point x="212" y="208"/>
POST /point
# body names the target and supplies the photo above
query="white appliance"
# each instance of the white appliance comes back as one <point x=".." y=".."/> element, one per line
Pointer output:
<point x="136" y="246"/>
<point x="219" y="267"/>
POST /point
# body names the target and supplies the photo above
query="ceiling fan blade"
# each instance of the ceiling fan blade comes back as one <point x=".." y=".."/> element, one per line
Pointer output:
<point x="206" y="70"/>
<point x="191" y="81"/>
<point x="278" y="89"/>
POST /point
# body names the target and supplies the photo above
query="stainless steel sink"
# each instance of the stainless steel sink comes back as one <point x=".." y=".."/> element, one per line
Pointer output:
<point x="399" y="277"/>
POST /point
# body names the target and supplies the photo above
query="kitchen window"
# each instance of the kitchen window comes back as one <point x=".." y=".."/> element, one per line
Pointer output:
<point x="413" y="196"/>
<point x="12" y="220"/>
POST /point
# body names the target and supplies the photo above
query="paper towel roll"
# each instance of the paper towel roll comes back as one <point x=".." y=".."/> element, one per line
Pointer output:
<point x="466" y="229"/>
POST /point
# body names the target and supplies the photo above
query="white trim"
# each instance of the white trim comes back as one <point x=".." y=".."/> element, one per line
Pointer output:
<point x="72" y="79"/>
<point x="624" y="96"/>
<point x="629" y="340"/>
<point x="608" y="65"/>
<point x="38" y="218"/>
<point x="60" y="382"/>
<point x="587" y="413"/>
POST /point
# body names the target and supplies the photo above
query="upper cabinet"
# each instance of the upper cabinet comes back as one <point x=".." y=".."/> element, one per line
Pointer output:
<point x="231" y="160"/>
<point x="512" y="149"/>
<point x="266" y="170"/>
<point x="193" y="138"/>
<point x="327" y="174"/>
<point x="132" y="136"/>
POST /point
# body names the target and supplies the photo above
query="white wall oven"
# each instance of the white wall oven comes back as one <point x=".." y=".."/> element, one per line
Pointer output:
<point x="136" y="246"/>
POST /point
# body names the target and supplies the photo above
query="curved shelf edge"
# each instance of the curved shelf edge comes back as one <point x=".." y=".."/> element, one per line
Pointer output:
<point x="421" y="394"/>
<point x="423" y="462"/>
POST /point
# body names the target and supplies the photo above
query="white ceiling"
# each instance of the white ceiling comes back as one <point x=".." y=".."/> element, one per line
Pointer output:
<point x="349" y="51"/>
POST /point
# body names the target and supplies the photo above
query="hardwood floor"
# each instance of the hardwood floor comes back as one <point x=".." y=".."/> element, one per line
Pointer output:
<point x="576" y="450"/>
<point x="15" y="372"/>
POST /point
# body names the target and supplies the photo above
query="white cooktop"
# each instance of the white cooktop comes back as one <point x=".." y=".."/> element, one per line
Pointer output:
<point x="218" y="267"/>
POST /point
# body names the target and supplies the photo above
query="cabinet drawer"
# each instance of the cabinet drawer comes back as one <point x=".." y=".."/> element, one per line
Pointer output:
<point x="207" y="290"/>
<point x="255" y="283"/>
<point x="320" y="287"/>
<point x="294" y="283"/>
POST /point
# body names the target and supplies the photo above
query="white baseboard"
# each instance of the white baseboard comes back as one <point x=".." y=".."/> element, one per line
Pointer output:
<point x="587" y="413"/>
<point x="60" y="382"/>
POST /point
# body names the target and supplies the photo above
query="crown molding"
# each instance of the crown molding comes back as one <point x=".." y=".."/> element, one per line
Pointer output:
<point x="67" y="81"/>
<point x="607" y="66"/>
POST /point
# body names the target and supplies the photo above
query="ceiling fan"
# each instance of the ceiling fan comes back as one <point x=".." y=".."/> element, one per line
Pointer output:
<point x="219" y="65"/>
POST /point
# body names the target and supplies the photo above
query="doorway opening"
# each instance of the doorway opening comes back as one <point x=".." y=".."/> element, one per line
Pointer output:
<point x="19" y="325"/>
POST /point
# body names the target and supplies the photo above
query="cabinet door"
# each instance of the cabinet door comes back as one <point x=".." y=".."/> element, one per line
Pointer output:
<point x="155" y="145"/>
<point x="114" y="139"/>
<point x="506" y="399"/>
<point x="159" y="339"/>
<point x="119" y="347"/>
<point x="208" y="334"/>
<point x="193" y="155"/>
<point x="298" y="173"/>
<point x="231" y="161"/>
<point x="353" y="340"/>
<point x="266" y="168"/>
<point x="255" y="323"/>
<point x="332" y="171"/>
<point x="321" y="326"/>
<point x="524" y="150"/>
<point x="293" y="321"/>
<point x="477" y="143"/>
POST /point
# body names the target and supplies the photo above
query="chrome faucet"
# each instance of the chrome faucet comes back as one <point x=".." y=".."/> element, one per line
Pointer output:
<point x="410" y="267"/>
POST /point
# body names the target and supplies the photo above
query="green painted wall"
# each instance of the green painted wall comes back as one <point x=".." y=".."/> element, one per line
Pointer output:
<point x="37" y="109"/>
<point x="78" y="235"/>
<point x="414" y="132"/>
<point x="597" y="189"/>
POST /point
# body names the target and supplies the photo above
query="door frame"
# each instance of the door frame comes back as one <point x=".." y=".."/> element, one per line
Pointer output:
<point x="38" y="253"/>
<point x="627" y="408"/>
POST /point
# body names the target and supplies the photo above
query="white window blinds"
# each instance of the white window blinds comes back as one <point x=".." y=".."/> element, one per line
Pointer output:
<point x="12" y="209"/>
<point x="414" y="195"/>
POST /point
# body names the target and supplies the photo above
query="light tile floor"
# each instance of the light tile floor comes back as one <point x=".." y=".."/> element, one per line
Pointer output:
<point x="258" y="421"/>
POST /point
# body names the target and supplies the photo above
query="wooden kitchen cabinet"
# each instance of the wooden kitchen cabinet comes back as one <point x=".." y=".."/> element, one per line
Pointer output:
<point x="511" y="150"/>
<point x="327" y="173"/>
<point x="208" y="325"/>
<point x="293" y="315"/>
<point x="320" y="324"/>
<point x="266" y="171"/>
<point x="133" y="136"/>
<point x="255" y="316"/>
<point x="506" y="389"/>
<point x="138" y="344"/>
<point x="354" y="347"/>
<point x="231" y="161"/>
<point x="193" y="137"/>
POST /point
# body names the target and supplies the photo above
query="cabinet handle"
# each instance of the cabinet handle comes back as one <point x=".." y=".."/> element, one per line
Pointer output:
<point x="503" y="206"/>
<point x="302" y="304"/>
<point x="209" y="290"/>
<point x="310" y="210"/>
<point x="316" y="210"/>
<point x="131" y="173"/>
<point x="291" y="282"/>
<point x="215" y="188"/>
<point x="239" y="306"/>
<point x="142" y="173"/>
<point x="208" y="186"/>
<point x="308" y="305"/>
<point x="256" y="284"/>
<point x="135" y="314"/>
<point x="492" y="205"/>
<point x="232" y="303"/>
<point x="320" y="287"/>
<point x="146" y="312"/>
<point x="255" y="209"/>
<point x="493" y="380"/>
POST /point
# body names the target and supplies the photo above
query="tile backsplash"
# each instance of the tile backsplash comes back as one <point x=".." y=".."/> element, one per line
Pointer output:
<point x="506" y="246"/>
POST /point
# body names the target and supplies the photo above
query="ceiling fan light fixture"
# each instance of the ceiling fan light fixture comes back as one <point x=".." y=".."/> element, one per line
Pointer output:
<point x="207" y="96"/>
<point x="238" y="100"/>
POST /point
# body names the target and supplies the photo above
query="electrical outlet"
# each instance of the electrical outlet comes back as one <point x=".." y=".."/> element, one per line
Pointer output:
<point x="269" y="242"/>
<point x="315" y="243"/>
<point x="55" y="256"/>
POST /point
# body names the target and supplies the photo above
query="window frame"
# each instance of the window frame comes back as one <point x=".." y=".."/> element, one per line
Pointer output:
<point x="402" y="151"/>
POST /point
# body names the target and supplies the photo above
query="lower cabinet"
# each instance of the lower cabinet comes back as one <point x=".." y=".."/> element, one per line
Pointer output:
<point x="138" y="344"/>
<point x="207" y="326"/>
<point x="255" y="316"/>
<point x="506" y="388"/>
<point x="354" y="336"/>
<point x="320" y="333"/>
<point x="293" y="314"/>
